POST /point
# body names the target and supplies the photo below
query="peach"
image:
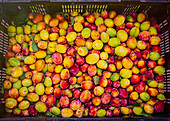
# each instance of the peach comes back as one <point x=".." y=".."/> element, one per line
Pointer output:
<point x="68" y="62"/>
<point x="66" y="113"/>
<point x="131" y="42"/>
<point x="153" y="31"/>
<point x="75" y="104"/>
<point x="119" y="20"/>
<point x="145" y="26"/>
<point x="32" y="97"/>
<point x="88" y="44"/>
<point x="57" y="58"/>
<point x="116" y="111"/>
<point x="80" y="79"/>
<point x="37" y="78"/>
<point x="114" y="92"/>
<point x="57" y="92"/>
<point x="160" y="70"/>
<point x="96" y="101"/>
<point x="154" y="40"/>
<point x="13" y="92"/>
<point x="85" y="96"/>
<point x="109" y="22"/>
<point x="102" y="64"/>
<point x="104" y="14"/>
<point x="154" y="56"/>
<point x="141" y="45"/>
<point x="159" y="106"/>
<point x="32" y="110"/>
<point x="116" y="102"/>
<point x="134" y="32"/>
<point x="104" y="37"/>
<point x="53" y="22"/>
<point x="61" y="40"/>
<point x="144" y="96"/>
<point x="92" y="58"/>
<point x="148" y="108"/>
<point x="161" y="97"/>
<point x="103" y="81"/>
<point x="92" y="70"/>
<point x="63" y="24"/>
<point x="118" y="65"/>
<point x="9" y="54"/>
<point x="161" y="61"/>
<point x="90" y="18"/>
<point x="129" y="89"/>
<point x="144" y="35"/>
<point x="87" y="85"/>
<point x="23" y="105"/>
<point x="79" y="19"/>
<point x="53" y="36"/>
<point x="107" y="74"/>
<point x="34" y="28"/>
<point x="38" y="18"/>
<point x="42" y="45"/>
<point x="71" y="36"/>
<point x="141" y="64"/>
<point x="78" y="27"/>
<point x="95" y="35"/>
<point x="124" y="83"/>
<point x="101" y="28"/>
<point x="125" y="73"/>
<point x="44" y="35"/>
<point x="65" y="74"/>
<point x="47" y="18"/>
<point x="84" y="67"/>
<point x="16" y="71"/>
<point x="121" y="51"/>
<point x="7" y="84"/>
<point x="82" y="51"/>
<point x="152" y="92"/>
<point x="86" y="32"/>
<point x="106" y="97"/>
<point x="97" y="45"/>
<point x="49" y="90"/>
<point x="112" y="14"/>
<point x="62" y="32"/>
<point x="156" y="49"/>
<point x="99" y="21"/>
<point x="141" y="17"/>
<point x="111" y="32"/>
<point x="135" y="79"/>
<point x="39" y="89"/>
<point x="40" y="107"/>
<point x="127" y="63"/>
<point x="123" y="93"/>
<point x="10" y="103"/>
<point x="50" y="101"/>
<point x="20" y="38"/>
<point x="134" y="95"/>
<point x="80" y="41"/>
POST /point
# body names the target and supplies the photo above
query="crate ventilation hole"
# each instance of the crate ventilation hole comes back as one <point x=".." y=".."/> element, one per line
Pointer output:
<point x="3" y="42"/>
<point x="38" y="9"/>
<point x="88" y="8"/>
<point x="130" y="8"/>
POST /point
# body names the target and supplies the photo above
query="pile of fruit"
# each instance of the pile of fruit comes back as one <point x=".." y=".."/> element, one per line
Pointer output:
<point x="85" y="65"/>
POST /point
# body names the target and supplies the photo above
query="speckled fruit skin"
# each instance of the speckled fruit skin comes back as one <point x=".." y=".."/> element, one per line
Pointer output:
<point x="92" y="64"/>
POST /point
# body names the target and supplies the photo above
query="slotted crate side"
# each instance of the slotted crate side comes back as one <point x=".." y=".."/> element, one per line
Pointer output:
<point x="68" y="7"/>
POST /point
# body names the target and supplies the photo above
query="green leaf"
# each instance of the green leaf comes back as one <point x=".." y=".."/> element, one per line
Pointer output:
<point x="96" y="80"/>
<point x="72" y="21"/>
<point x="23" y="57"/>
<point x="145" y="114"/>
<point x="75" y="86"/>
<point x="131" y="105"/>
<point x="2" y="90"/>
<point x="50" y="114"/>
<point x="22" y="76"/>
<point x="34" y="45"/>
<point x="20" y="19"/>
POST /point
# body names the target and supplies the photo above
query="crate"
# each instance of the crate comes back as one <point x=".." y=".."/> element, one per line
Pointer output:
<point x="154" y="8"/>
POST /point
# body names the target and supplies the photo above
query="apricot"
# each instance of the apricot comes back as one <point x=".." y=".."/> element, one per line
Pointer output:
<point x="95" y="35"/>
<point x="92" y="58"/>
